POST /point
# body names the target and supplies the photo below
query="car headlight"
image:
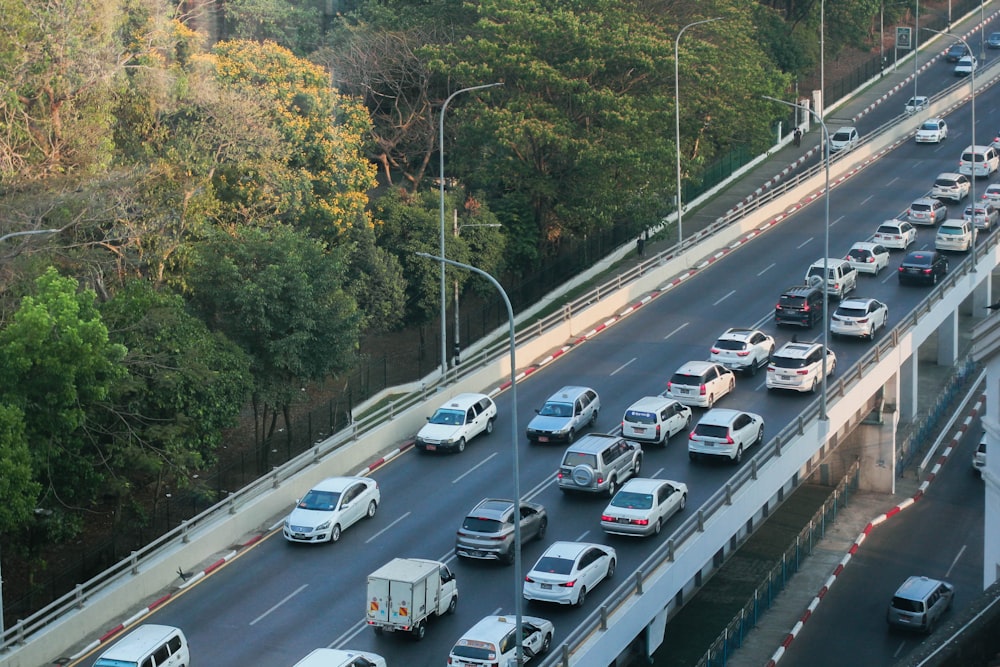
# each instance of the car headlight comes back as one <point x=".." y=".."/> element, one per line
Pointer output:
<point x="322" y="526"/>
<point x="287" y="525"/>
<point x="562" y="429"/>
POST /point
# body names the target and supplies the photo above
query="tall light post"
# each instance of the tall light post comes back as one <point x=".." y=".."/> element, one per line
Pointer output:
<point x="444" y="305"/>
<point x="972" y="101"/>
<point x="514" y="437"/>
<point x="826" y="250"/>
<point x="677" y="122"/>
<point x="458" y="344"/>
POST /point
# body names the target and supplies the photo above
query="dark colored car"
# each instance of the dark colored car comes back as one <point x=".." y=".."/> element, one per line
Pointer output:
<point x="993" y="41"/>
<point x="801" y="305"/>
<point x="923" y="266"/>
<point x="955" y="53"/>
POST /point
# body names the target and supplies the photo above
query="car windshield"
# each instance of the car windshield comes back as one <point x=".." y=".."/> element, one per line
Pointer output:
<point x="887" y="229"/>
<point x="933" y="127"/>
<point x="903" y="604"/>
<point x="946" y="182"/>
<point x="920" y="207"/>
<point x="481" y="651"/>
<point x="574" y="459"/>
<point x="683" y="378"/>
<point x="323" y="501"/>
<point x="552" y="409"/>
<point x="792" y="301"/>
<point x="950" y="230"/>
<point x="712" y="431"/>
<point x="857" y="253"/>
<point x="726" y="344"/>
<point x="448" y="417"/>
<point x="918" y="260"/>
<point x="851" y="312"/>
<point x="637" y="417"/>
<point x="478" y="525"/>
<point x="554" y="565"/>
<point x="788" y="362"/>
<point x="630" y="500"/>
<point x="841" y="136"/>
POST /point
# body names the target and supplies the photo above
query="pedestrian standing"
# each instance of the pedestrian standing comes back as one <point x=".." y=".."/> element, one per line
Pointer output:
<point x="640" y="246"/>
<point x="797" y="136"/>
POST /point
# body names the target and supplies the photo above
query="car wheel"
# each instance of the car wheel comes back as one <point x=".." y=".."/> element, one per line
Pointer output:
<point x="335" y="533"/>
<point x="814" y="386"/>
<point x="542" y="527"/>
<point x="739" y="454"/>
<point x="752" y="368"/>
<point x="372" y="508"/>
<point x="692" y="456"/>
<point x="658" y="527"/>
<point x="582" y="596"/>
<point x="593" y="418"/>
<point x="833" y="368"/>
<point x="684" y="502"/>
<point x="760" y="436"/>
<point x="452" y="605"/>
<point x="571" y="436"/>
<point x="419" y="630"/>
<point x="546" y="643"/>
<point x="636" y="466"/>
<point x="508" y="558"/>
<point x="711" y="401"/>
<point x="377" y="630"/>
<point x="612" y="487"/>
<point x="461" y="445"/>
<point x="489" y="426"/>
<point x="611" y="569"/>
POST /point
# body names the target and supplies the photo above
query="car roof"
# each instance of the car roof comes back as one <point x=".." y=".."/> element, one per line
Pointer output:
<point x="650" y="403"/>
<point x="568" y="550"/>
<point x="921" y="254"/>
<point x="720" y="416"/>
<point x="464" y="401"/>
<point x="930" y="201"/>
<point x="644" y="485"/>
<point x="894" y="223"/>
<point x="865" y="245"/>
<point x="797" y="350"/>
<point x="593" y="442"/>
<point x="736" y="333"/>
<point x="492" y="508"/>
<point x="337" y="483"/>
<point x="799" y="290"/>
<point x="977" y="148"/>
<point x="846" y="128"/>
<point x="568" y="394"/>
<point x="695" y="367"/>
<point x="953" y="222"/>
<point x="917" y="588"/>
<point x="830" y="261"/>
<point x="949" y="174"/>
<point x="855" y="302"/>
<point x="994" y="187"/>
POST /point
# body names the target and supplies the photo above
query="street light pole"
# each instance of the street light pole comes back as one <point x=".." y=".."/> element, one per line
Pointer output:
<point x="444" y="305"/>
<point x="677" y="123"/>
<point x="514" y="438"/>
<point x="826" y="252"/>
<point x="458" y="228"/>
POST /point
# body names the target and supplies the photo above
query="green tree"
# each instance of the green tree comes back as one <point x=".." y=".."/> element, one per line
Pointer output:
<point x="281" y="297"/>
<point x="57" y="366"/>
<point x="18" y="488"/>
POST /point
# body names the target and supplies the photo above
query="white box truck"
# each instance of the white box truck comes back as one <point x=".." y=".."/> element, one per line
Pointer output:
<point x="405" y="592"/>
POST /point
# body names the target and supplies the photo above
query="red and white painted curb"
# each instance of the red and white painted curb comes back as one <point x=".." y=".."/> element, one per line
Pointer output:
<point x="881" y="518"/>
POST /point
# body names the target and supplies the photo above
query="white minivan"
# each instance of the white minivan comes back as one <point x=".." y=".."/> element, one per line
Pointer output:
<point x="329" y="657"/>
<point x="956" y="235"/>
<point x="148" y="646"/>
<point x="981" y="161"/>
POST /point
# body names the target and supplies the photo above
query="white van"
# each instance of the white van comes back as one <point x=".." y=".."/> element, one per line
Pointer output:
<point x="148" y="646"/>
<point x="655" y="419"/>
<point x="980" y="161"/>
<point x="328" y="657"/>
<point x="955" y="235"/>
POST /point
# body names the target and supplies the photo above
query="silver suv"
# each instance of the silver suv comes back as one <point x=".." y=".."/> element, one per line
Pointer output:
<point x="564" y="415"/>
<point x="488" y="530"/>
<point x="919" y="604"/>
<point x="599" y="463"/>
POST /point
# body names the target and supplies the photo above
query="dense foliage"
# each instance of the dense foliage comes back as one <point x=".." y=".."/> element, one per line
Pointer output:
<point x="236" y="203"/>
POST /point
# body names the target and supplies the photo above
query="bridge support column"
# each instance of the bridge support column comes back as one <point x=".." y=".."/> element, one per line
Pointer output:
<point x="947" y="340"/>
<point x="874" y="444"/>
<point x="982" y="296"/>
<point x="991" y="475"/>
<point x="906" y="384"/>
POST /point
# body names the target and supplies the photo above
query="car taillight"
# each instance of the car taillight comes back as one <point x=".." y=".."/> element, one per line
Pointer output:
<point x="605" y="517"/>
<point x="901" y="269"/>
<point x="569" y="584"/>
<point x="600" y="480"/>
<point x="640" y="522"/>
<point x="869" y="260"/>
<point x="802" y="371"/>
<point x="559" y="475"/>
<point x="669" y="385"/>
<point x="806" y="308"/>
<point x="529" y="579"/>
<point x="862" y="321"/>
<point x="743" y="353"/>
<point x="702" y="390"/>
<point x="657" y="430"/>
<point x="927" y="271"/>
<point x="691" y="435"/>
<point x="777" y="306"/>
<point x="715" y="350"/>
<point x="729" y="440"/>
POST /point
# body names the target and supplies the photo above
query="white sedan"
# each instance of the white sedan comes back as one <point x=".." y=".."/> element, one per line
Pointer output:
<point x="643" y="505"/>
<point x="932" y="131"/>
<point x="896" y="234"/>
<point x="859" y="317"/>
<point x="868" y="257"/>
<point x="330" y="507"/>
<point x="966" y="66"/>
<point x="567" y="571"/>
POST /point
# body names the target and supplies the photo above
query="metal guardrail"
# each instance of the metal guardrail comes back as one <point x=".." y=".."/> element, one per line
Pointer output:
<point x="75" y="600"/>
<point x="747" y="474"/>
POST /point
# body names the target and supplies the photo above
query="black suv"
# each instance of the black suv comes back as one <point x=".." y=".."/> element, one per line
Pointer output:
<point x="955" y="53"/>
<point x="800" y="304"/>
<point x="923" y="266"/>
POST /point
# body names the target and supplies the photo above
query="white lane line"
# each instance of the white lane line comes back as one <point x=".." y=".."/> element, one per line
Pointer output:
<point x="283" y="601"/>
<point x="538" y="488"/>
<point x="766" y="268"/>
<point x="473" y="468"/>
<point x="675" y="331"/>
<point x="348" y="635"/>
<point x="892" y="181"/>
<point x="376" y="535"/>
<point x="623" y="366"/>
<point x="804" y="243"/>
<point x="866" y="200"/>
<point x="841" y="217"/>
<point x="657" y="473"/>
<point x="955" y="562"/>
<point x="723" y="298"/>
<point x="583" y="535"/>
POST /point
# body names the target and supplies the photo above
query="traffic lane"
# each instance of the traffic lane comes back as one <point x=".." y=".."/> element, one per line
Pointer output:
<point x="940" y="536"/>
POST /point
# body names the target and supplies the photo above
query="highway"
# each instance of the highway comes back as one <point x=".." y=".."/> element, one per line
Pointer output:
<point x="276" y="602"/>
<point x="939" y="537"/>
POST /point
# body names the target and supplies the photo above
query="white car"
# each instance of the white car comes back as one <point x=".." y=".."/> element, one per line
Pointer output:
<point x="895" y="234"/>
<point x="330" y="507"/>
<point x="866" y="257"/>
<point x="992" y="194"/>
<point x="950" y="185"/>
<point x="979" y="458"/>
<point x="456" y="422"/>
<point x="567" y="571"/>
<point x="986" y="215"/>
<point x="966" y="66"/>
<point x="700" y="383"/>
<point x="725" y="433"/>
<point x="741" y="349"/>
<point x="493" y="641"/>
<point x="927" y="211"/>
<point x="955" y="235"/>
<point x="655" y="419"/>
<point x="329" y="657"/>
<point x="932" y="131"/>
<point x="859" y="317"/>
<point x="844" y="139"/>
<point x="915" y="104"/>
<point x="643" y="505"/>
<point x="799" y="367"/>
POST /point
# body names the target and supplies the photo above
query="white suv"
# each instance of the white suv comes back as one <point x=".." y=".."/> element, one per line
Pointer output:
<point x="743" y="350"/>
<point x="799" y="367"/>
<point x="700" y="383"/>
<point x="727" y="433"/>
<point x="841" y="276"/>
<point x="456" y="422"/>
<point x="952" y="186"/>
<point x="493" y="641"/>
